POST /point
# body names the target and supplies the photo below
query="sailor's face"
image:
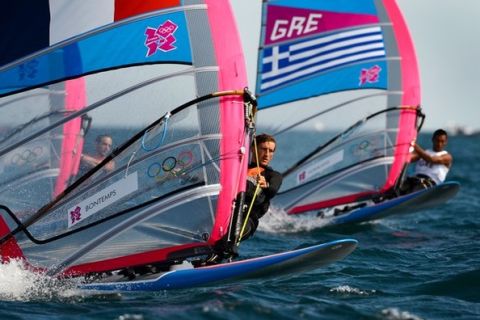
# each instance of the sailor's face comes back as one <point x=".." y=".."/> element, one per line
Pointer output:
<point x="439" y="142"/>
<point x="104" y="146"/>
<point x="265" y="152"/>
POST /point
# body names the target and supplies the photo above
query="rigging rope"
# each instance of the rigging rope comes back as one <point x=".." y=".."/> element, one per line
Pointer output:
<point x="164" y="134"/>
<point x="245" y="221"/>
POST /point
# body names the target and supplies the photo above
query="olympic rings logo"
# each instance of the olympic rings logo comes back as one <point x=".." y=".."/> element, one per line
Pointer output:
<point x="182" y="160"/>
<point x="26" y="156"/>
<point x="166" y="29"/>
<point x="363" y="145"/>
<point x="366" y="148"/>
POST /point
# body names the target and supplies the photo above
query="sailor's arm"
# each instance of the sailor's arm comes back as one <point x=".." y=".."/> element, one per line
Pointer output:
<point x="89" y="160"/>
<point x="414" y="157"/>
<point x="273" y="184"/>
<point x="445" y="159"/>
<point x="93" y="162"/>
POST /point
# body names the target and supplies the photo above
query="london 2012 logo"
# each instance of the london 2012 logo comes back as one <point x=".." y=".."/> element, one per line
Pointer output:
<point x="75" y="215"/>
<point x="161" y="38"/>
<point x="371" y="75"/>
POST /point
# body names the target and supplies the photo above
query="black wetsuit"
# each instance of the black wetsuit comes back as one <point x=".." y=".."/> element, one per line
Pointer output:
<point x="260" y="207"/>
<point x="84" y="168"/>
<point x="262" y="200"/>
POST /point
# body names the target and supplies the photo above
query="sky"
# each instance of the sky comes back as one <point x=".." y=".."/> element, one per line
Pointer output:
<point x="446" y="35"/>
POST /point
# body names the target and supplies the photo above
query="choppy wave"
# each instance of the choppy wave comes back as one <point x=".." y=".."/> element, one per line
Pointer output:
<point x="463" y="286"/>
<point x="416" y="266"/>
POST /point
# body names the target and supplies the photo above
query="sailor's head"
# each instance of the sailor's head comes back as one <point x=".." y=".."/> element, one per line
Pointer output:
<point x="439" y="140"/>
<point x="104" y="144"/>
<point x="266" y="146"/>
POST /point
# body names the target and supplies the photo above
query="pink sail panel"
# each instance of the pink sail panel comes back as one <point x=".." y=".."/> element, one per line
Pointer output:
<point x="232" y="76"/>
<point x="328" y="203"/>
<point x="72" y="143"/>
<point x="411" y="91"/>
<point x="286" y="23"/>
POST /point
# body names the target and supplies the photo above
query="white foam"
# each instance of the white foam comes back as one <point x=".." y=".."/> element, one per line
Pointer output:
<point x="128" y="316"/>
<point x="19" y="284"/>
<point x="277" y="220"/>
<point x="350" y="290"/>
<point x="396" y="314"/>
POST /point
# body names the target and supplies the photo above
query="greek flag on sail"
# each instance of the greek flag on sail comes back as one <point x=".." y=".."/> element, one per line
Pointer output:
<point x="285" y="63"/>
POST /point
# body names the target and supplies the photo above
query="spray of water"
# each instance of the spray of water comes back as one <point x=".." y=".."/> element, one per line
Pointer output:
<point x="277" y="220"/>
<point x="17" y="283"/>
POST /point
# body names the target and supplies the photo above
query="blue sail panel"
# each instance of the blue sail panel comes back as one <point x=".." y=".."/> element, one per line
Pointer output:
<point x="134" y="43"/>
<point x="358" y="76"/>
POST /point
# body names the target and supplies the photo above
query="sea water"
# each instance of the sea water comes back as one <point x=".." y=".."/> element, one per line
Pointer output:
<point x="424" y="265"/>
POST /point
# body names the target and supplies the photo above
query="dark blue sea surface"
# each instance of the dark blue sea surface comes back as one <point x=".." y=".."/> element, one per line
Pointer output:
<point x="423" y="265"/>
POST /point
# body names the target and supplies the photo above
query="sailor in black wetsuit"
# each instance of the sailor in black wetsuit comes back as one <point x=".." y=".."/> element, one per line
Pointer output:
<point x="267" y="179"/>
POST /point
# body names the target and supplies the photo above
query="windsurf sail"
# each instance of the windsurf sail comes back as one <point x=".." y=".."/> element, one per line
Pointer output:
<point x="165" y="80"/>
<point x="340" y="80"/>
